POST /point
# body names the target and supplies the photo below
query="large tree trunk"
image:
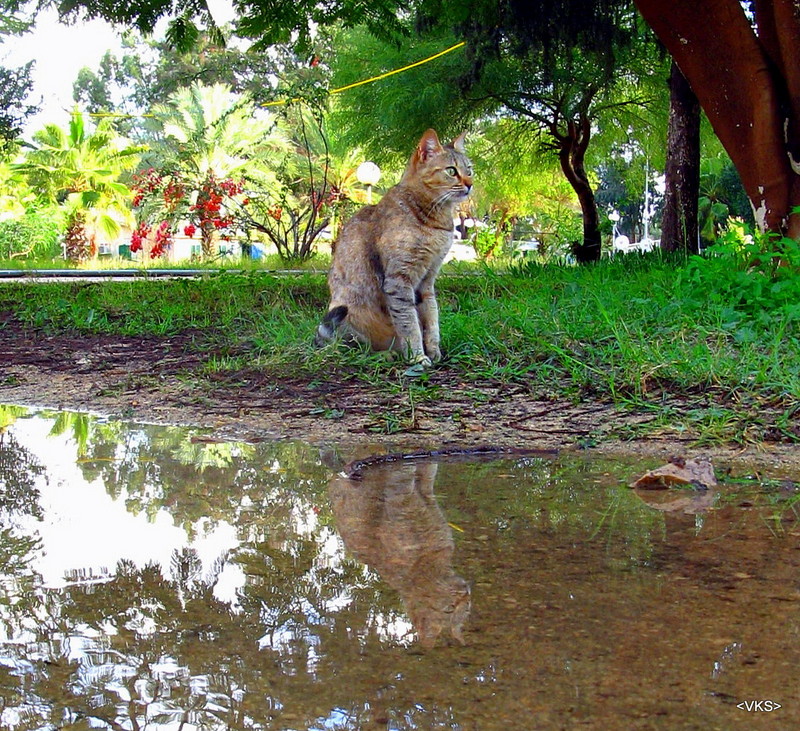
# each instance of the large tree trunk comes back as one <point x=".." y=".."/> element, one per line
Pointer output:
<point x="571" y="153"/>
<point x="748" y="86"/>
<point x="679" y="224"/>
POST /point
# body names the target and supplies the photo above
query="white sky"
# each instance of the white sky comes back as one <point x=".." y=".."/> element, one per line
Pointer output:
<point x="59" y="52"/>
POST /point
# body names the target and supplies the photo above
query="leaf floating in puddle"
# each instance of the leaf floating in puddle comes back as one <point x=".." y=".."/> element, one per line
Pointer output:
<point x="696" y="472"/>
<point x="679" y="473"/>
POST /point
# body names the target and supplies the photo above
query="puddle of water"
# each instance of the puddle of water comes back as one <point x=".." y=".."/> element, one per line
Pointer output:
<point x="149" y="576"/>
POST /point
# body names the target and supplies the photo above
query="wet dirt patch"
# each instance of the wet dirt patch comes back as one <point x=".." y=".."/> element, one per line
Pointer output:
<point x="166" y="380"/>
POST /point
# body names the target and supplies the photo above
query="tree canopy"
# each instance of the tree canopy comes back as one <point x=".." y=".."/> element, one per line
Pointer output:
<point x="78" y="167"/>
<point x="558" y="96"/>
<point x="16" y="84"/>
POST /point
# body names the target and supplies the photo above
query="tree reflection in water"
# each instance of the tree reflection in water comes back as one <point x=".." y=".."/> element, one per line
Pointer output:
<point x="286" y="627"/>
<point x="155" y="644"/>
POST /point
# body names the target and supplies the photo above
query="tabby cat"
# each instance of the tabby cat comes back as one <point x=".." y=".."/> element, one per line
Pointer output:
<point x="387" y="256"/>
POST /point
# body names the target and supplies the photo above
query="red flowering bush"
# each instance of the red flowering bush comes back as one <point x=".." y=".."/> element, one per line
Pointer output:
<point x="163" y="239"/>
<point x="167" y="200"/>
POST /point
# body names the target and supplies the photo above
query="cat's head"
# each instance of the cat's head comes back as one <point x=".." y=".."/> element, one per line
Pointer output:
<point x="444" y="169"/>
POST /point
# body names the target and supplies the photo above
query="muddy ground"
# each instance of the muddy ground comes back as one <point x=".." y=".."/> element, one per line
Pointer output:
<point x="164" y="380"/>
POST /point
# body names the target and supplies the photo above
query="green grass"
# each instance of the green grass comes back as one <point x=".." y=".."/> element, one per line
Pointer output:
<point x="634" y="330"/>
<point x="271" y="262"/>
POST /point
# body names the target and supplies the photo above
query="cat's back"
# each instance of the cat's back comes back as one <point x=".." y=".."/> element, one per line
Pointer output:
<point x="356" y="232"/>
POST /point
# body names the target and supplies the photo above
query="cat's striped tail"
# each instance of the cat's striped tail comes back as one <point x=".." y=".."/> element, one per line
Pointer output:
<point x="326" y="331"/>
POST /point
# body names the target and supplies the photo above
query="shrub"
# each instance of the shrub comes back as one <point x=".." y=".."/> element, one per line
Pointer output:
<point x="36" y="235"/>
<point x="755" y="275"/>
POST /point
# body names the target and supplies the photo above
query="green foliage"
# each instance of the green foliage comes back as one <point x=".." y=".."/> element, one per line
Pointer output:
<point x="488" y="242"/>
<point x="387" y="119"/>
<point x="16" y="86"/>
<point x="79" y="168"/>
<point x="514" y="177"/>
<point x="16" y="196"/>
<point x="148" y="72"/>
<point x="34" y="235"/>
<point x="556" y="227"/>
<point x="205" y="128"/>
<point x="294" y="214"/>
<point x="635" y="329"/>
<point x="756" y="280"/>
<point x="209" y="151"/>
<point x="623" y="174"/>
<point x="542" y="98"/>
<point x="721" y="196"/>
<point x="218" y="303"/>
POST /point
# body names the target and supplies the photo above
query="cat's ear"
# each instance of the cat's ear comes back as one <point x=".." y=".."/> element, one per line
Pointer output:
<point x="428" y="145"/>
<point x="458" y="142"/>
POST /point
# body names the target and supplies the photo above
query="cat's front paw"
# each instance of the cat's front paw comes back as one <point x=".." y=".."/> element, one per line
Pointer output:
<point x="433" y="352"/>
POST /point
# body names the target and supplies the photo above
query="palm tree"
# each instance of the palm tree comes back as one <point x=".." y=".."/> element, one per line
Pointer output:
<point x="206" y="134"/>
<point x="15" y="195"/>
<point x="79" y="169"/>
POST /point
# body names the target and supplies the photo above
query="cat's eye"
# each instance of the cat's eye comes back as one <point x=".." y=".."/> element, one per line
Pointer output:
<point x="451" y="171"/>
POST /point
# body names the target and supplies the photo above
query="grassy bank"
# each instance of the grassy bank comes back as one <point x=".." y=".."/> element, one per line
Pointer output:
<point x="706" y="343"/>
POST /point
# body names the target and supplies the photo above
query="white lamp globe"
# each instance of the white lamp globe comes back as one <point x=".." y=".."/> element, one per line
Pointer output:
<point x="368" y="173"/>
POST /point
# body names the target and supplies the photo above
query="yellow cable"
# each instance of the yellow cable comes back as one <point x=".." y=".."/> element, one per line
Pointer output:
<point x="331" y="91"/>
<point x="380" y="76"/>
<point x="111" y="114"/>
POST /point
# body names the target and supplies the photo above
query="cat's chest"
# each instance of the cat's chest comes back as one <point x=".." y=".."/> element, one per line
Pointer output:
<point x="419" y="254"/>
<point x="421" y="242"/>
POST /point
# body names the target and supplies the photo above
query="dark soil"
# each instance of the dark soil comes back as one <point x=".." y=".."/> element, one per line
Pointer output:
<point x="165" y="380"/>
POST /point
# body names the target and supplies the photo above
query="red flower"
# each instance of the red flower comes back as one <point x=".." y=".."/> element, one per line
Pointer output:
<point x="189" y="230"/>
<point x="231" y="187"/>
<point x="138" y="237"/>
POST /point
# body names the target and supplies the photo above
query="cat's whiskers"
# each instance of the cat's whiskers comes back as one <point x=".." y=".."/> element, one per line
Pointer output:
<point x="440" y="201"/>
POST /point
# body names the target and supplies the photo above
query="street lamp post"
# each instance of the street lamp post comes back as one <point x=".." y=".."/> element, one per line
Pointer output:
<point x="368" y="173"/>
<point x="614" y="218"/>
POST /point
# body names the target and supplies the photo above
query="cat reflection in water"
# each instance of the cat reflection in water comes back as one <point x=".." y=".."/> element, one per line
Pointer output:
<point x="389" y="519"/>
<point x="387" y="257"/>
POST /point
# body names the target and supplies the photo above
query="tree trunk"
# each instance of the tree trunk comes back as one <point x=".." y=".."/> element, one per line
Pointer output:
<point x="748" y="86"/>
<point x="571" y="153"/>
<point x="679" y="227"/>
<point x="209" y="240"/>
<point x="76" y="244"/>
